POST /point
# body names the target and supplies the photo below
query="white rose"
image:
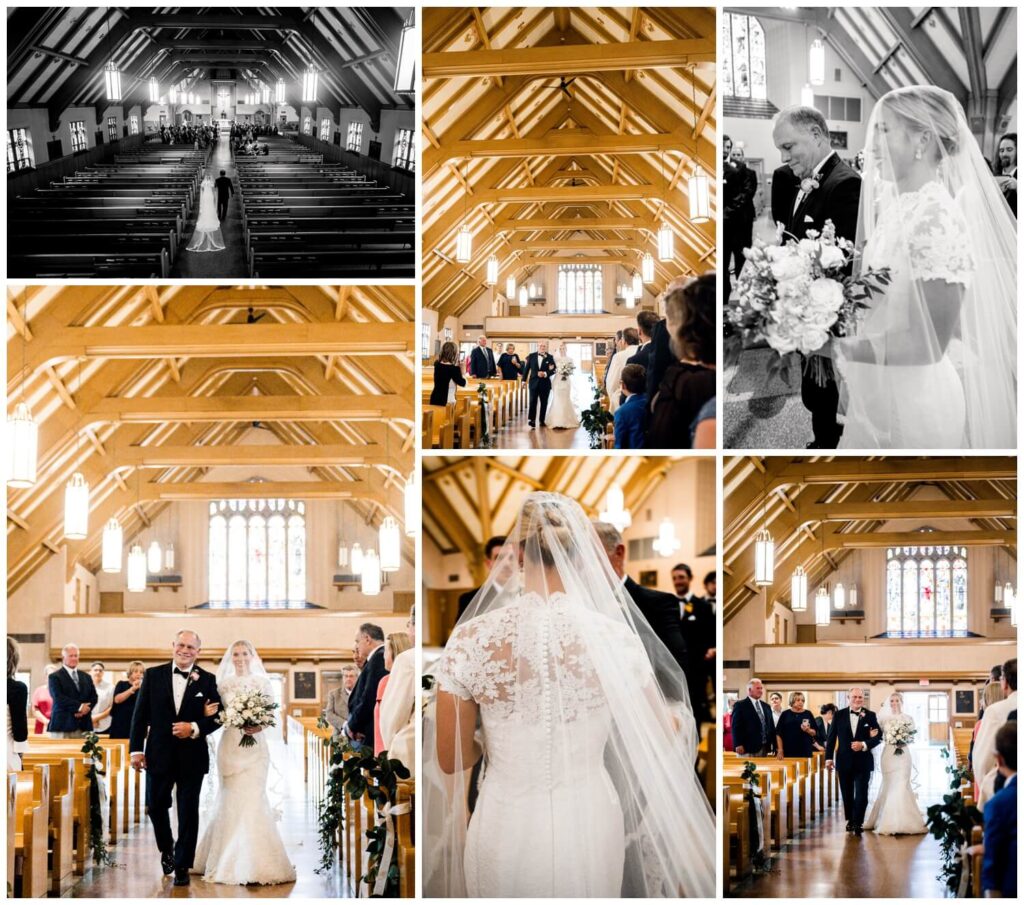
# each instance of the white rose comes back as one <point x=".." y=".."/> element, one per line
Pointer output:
<point x="790" y="267"/>
<point x="808" y="246"/>
<point x="779" y="339"/>
<point x="826" y="295"/>
<point x="831" y="257"/>
<point x="812" y="338"/>
<point x="776" y="252"/>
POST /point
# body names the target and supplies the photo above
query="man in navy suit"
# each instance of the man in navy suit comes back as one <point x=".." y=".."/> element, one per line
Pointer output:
<point x="753" y="732"/>
<point x="854" y="733"/>
<point x="370" y="645"/>
<point x="999" y="865"/>
<point x="74" y="696"/>
<point x="481" y="360"/>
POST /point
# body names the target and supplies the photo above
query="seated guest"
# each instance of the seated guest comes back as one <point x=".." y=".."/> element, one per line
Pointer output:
<point x="42" y="703"/>
<point x="509" y="363"/>
<point x="398" y="709"/>
<point x="690" y="381"/>
<point x="447" y="373"/>
<point x="394" y="644"/>
<point x="74" y="697"/>
<point x="125" y="693"/>
<point x="17" y="709"/>
<point x="795" y="733"/>
<point x="630" y="416"/>
<point x="999" y="863"/>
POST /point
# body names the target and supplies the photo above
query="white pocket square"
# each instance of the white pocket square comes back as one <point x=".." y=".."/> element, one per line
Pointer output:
<point x="199" y="694"/>
<point x="808" y="219"/>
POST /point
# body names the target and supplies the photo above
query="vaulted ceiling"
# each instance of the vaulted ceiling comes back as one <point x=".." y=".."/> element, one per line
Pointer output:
<point x="819" y="510"/>
<point x="144" y="390"/>
<point x="56" y="54"/>
<point x="542" y="138"/>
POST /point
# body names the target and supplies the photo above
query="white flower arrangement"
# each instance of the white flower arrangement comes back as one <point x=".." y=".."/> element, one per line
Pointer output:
<point x="566" y="369"/>
<point x="899" y="732"/>
<point x="248" y="707"/>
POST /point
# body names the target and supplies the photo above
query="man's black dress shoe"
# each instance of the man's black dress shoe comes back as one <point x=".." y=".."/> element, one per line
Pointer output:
<point x="181" y="876"/>
<point x="167" y="864"/>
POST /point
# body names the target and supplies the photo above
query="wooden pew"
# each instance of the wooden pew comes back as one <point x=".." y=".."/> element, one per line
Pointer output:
<point x="12" y="801"/>
<point x="781" y="799"/>
<point x="736" y="856"/>
<point x="772" y="802"/>
<point x="32" y="809"/>
<point x="405" y="831"/>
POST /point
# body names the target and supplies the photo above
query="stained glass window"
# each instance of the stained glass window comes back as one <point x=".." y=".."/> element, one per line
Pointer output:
<point x="926" y="591"/>
<point x="79" y="142"/>
<point x="325" y="129"/>
<point x="19" y="150"/>
<point x="257" y="553"/>
<point x="743" y="65"/>
<point x="404" y="155"/>
<point x="354" y="139"/>
<point x="580" y="289"/>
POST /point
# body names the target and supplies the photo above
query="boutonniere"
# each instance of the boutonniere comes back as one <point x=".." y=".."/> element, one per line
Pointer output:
<point x="193" y="676"/>
<point x="688" y="607"/>
<point x="808" y="185"/>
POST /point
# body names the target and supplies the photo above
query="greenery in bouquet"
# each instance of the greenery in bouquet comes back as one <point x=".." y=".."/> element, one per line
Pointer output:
<point x="796" y="296"/>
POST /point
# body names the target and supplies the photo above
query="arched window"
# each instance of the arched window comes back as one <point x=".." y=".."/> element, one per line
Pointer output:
<point x="257" y="553"/>
<point x="579" y="289"/>
<point x="743" y="63"/>
<point x="307" y="126"/>
<point x="926" y="592"/>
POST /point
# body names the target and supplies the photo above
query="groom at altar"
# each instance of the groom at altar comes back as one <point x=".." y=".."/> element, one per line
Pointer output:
<point x="819" y="187"/>
<point x="854" y="733"/>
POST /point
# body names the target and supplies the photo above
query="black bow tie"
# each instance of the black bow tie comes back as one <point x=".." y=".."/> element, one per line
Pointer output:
<point x="179" y="672"/>
<point x="856" y="712"/>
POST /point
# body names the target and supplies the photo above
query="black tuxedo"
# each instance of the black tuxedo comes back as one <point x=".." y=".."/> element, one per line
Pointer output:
<point x="67" y="698"/>
<point x="661" y="611"/>
<point x="363" y="699"/>
<point x="854" y="767"/>
<point x="747" y="732"/>
<point x="510" y="365"/>
<point x="176" y="766"/>
<point x="699" y="634"/>
<point x="837" y="198"/>
<point x="540" y="387"/>
<point x="481" y="362"/>
<point x="224" y="191"/>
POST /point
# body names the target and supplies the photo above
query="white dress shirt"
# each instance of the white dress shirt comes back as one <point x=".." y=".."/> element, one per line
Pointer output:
<point x="614" y="381"/>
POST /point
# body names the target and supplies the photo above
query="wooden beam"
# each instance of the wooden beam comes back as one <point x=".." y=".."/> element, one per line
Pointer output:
<point x="58" y="385"/>
<point x="853" y="470"/>
<point x="534" y="260"/>
<point x="569" y="194"/>
<point x="851" y="511"/>
<point x="155" y="305"/>
<point x="570" y="245"/>
<point x="573" y="223"/>
<point x="866" y="539"/>
<point x="572" y="59"/>
<point x="567" y="143"/>
<point x="249" y="490"/>
<point x="19" y="323"/>
<point x="276" y="454"/>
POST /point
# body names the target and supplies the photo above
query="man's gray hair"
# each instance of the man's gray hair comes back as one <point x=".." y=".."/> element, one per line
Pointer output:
<point x="188" y="631"/>
<point x="67" y="647"/>
<point x="609" y="535"/>
<point x="349" y="669"/>
<point x="804" y="118"/>
<point x="752" y="681"/>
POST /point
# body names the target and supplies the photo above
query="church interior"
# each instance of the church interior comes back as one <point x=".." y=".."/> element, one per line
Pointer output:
<point x="237" y="461"/>
<point x="890" y="573"/>
<point x="568" y="176"/>
<point x="113" y="114"/>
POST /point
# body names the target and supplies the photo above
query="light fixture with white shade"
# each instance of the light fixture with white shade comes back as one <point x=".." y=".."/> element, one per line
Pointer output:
<point x="822" y="608"/>
<point x="136" y="569"/>
<point x="816" y="64"/>
<point x="310" y="83"/>
<point x="370" y="573"/>
<point x="390" y="545"/>
<point x="798" y="583"/>
<point x="22" y="447"/>
<point x="764" y="558"/>
<point x="412" y="504"/>
<point x="357" y="559"/>
<point x="112" y="76"/>
<point x="265" y="90"/>
<point x="464" y="246"/>
<point x="851" y="596"/>
<point x="666" y="243"/>
<point x="615" y="512"/>
<point x="628" y="296"/>
<point x="1009" y="596"/>
<point x="524" y="296"/>
<point x="169" y="557"/>
<point x="492" y="271"/>
<point x="807" y="96"/>
<point x="666" y="543"/>
<point x="510" y="287"/>
<point x="839" y="596"/>
<point x="638" y="286"/>
<point x="280" y="91"/>
<point x="647" y="268"/>
<point x="408" y="50"/>
<point x="154" y="558"/>
<point x="342" y="554"/>
<point x="76" y="508"/>
<point x="699" y="192"/>
<point x="113" y="538"/>
<point x="172" y="94"/>
<point x="154" y="91"/>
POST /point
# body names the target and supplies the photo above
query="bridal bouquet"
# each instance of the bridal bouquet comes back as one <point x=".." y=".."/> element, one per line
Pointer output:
<point x="899" y="732"/>
<point x="250" y="707"/>
<point x="795" y="296"/>
<point x="566" y="368"/>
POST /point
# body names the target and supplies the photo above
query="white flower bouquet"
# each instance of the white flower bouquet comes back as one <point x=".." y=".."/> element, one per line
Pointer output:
<point x="899" y="732"/>
<point x="566" y="369"/>
<point x="795" y="296"/>
<point x="248" y="707"/>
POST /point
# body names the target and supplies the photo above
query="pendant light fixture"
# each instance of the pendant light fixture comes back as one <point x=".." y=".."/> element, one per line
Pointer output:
<point x="492" y="271"/>
<point x="647" y="268"/>
<point x="615" y="512"/>
<point x="807" y="96"/>
<point x="390" y="559"/>
<point x="154" y="91"/>
<point x="342" y="543"/>
<point x="169" y="557"/>
<point x="698" y="187"/>
<point x="76" y="493"/>
<point x="265" y="90"/>
<point x="154" y="558"/>
<point x="412" y="505"/>
<point x="464" y="245"/>
<point x="524" y="296"/>
<point x="666" y="243"/>
<point x="822" y="607"/>
<point x="310" y="83"/>
<point x="839" y="596"/>
<point x="172" y="94"/>
<point x="816" y="62"/>
<point x="638" y="286"/>
<point x="408" y="50"/>
<point x="510" y="287"/>
<point x="798" y="599"/>
<point x="370" y="575"/>
<point x="22" y="433"/>
<point x="136" y="569"/>
<point x="666" y="543"/>
<point x="280" y="91"/>
<point x="111" y="74"/>
<point x="764" y="546"/>
<point x="113" y="540"/>
<point x="357" y="559"/>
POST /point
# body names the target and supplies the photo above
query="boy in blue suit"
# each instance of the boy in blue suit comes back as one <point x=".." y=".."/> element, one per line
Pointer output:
<point x="999" y="866"/>
<point x="630" y="422"/>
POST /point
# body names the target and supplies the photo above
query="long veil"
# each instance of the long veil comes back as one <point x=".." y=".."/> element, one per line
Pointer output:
<point x="930" y="206"/>
<point x="574" y="692"/>
<point x="207" y="235"/>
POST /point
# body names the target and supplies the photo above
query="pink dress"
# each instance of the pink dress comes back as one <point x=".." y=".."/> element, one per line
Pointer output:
<point x="378" y="742"/>
<point x="42" y="702"/>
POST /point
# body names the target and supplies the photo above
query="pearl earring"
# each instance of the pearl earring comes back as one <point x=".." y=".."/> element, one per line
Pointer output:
<point x="917" y="154"/>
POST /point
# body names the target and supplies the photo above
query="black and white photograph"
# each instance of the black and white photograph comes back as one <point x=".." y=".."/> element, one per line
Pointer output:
<point x="194" y="143"/>
<point x="870" y="193"/>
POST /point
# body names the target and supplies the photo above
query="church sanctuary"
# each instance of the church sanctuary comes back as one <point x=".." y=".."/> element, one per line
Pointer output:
<point x="864" y="595"/>
<point x="235" y="462"/>
<point x="568" y="178"/>
<point x="211" y="142"/>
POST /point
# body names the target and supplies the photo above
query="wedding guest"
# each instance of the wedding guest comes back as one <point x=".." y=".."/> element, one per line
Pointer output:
<point x="690" y="381"/>
<point x="631" y="415"/>
<point x="1005" y="169"/>
<point x="398" y="709"/>
<point x="17" y="709"/>
<point x="704" y="427"/>
<point x="775" y="702"/>
<point x="509" y="363"/>
<point x="646" y="321"/>
<point x="823" y="723"/>
<point x="698" y="621"/>
<point x="394" y="644"/>
<point x="42" y="703"/>
<point x="336" y="708"/>
<point x="753" y="732"/>
<point x="74" y="697"/>
<point x="741" y="233"/>
<point x="613" y="346"/>
<point x="983" y="760"/>
<point x="481" y="361"/>
<point x="104" y="699"/>
<point x="125" y="694"/>
<point x="727" y="740"/>
<point x="999" y="864"/>
<point x="491" y="550"/>
<point x="630" y="340"/>
<point x="795" y="732"/>
<point x="711" y="588"/>
<point x="447" y="374"/>
<point x="363" y="700"/>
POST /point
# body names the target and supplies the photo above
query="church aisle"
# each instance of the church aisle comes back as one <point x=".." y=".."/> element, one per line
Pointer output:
<point x="231" y="261"/>
<point x="518" y="435"/>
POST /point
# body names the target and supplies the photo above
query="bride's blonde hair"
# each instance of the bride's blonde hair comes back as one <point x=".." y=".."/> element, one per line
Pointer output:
<point x="925" y="108"/>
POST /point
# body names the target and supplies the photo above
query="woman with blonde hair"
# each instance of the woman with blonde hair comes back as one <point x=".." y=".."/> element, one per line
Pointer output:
<point x="394" y="644"/>
<point x="125" y="692"/>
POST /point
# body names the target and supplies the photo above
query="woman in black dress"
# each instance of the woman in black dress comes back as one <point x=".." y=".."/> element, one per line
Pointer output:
<point x="17" y="709"/>
<point x="446" y="370"/>
<point x="796" y="734"/>
<point x="124" y="700"/>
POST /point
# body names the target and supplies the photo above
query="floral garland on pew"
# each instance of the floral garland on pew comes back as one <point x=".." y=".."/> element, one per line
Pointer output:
<point x="595" y="419"/>
<point x="761" y="861"/>
<point x="332" y="806"/>
<point x="97" y="837"/>
<point x="485" y="417"/>
<point x="951" y="823"/>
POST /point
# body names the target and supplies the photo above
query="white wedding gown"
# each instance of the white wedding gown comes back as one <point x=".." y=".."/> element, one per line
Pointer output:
<point x="561" y="410"/>
<point x="895" y="811"/>
<point x="207" y="235"/>
<point x="909" y="406"/>
<point x="241" y="844"/>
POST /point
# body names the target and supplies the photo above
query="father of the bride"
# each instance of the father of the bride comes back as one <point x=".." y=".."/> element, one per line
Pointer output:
<point x="168" y="740"/>
<point x="224" y="192"/>
<point x="821" y="187"/>
<point x="854" y="732"/>
<point x="537" y="375"/>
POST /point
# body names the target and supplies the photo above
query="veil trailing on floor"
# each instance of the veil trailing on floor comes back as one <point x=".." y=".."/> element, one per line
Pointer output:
<point x="207" y="235"/>
<point x="559" y="750"/>
<point x="931" y="209"/>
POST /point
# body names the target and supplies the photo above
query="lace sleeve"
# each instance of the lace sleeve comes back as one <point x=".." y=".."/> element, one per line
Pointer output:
<point x="460" y="668"/>
<point x="937" y="242"/>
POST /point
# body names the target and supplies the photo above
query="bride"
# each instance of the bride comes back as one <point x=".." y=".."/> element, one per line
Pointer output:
<point x="895" y="810"/>
<point x="933" y="360"/>
<point x="580" y="780"/>
<point x="240" y="844"/>
<point x="207" y="235"/>
<point x="561" y="411"/>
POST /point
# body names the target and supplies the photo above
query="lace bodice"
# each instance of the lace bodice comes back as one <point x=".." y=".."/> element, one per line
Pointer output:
<point x="922" y="236"/>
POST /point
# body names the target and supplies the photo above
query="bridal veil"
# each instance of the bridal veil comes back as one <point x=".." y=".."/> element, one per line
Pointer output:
<point x="581" y="708"/>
